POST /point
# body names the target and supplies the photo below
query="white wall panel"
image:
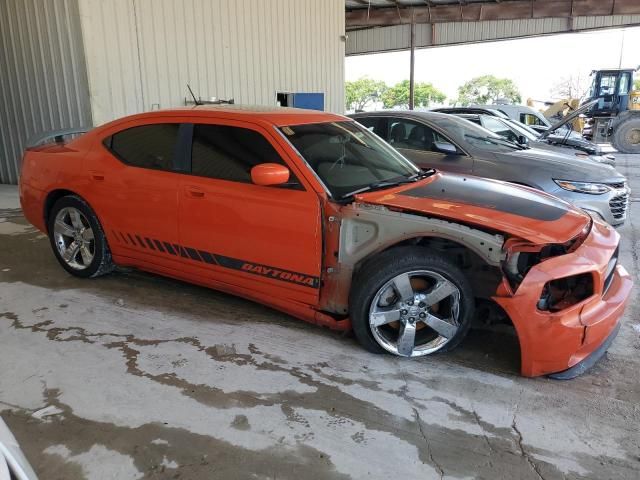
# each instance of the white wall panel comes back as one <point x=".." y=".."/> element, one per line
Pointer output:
<point x="142" y="53"/>
<point x="43" y="82"/>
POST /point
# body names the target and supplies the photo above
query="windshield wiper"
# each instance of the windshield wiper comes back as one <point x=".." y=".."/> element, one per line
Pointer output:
<point x="390" y="183"/>
<point x="422" y="174"/>
<point x="497" y="141"/>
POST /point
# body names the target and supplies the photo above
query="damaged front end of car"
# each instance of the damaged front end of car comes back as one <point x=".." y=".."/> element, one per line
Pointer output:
<point x="564" y="300"/>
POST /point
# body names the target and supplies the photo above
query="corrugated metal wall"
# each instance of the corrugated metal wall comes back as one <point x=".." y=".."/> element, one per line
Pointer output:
<point x="43" y="82"/>
<point x="142" y="53"/>
<point x="385" y="39"/>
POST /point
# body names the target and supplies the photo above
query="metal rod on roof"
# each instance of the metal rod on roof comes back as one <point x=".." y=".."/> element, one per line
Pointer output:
<point x="412" y="62"/>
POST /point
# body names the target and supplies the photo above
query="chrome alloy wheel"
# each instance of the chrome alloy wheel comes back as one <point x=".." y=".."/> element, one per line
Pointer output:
<point x="415" y="313"/>
<point x="74" y="238"/>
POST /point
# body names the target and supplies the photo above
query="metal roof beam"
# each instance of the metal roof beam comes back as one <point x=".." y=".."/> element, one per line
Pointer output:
<point x="473" y="12"/>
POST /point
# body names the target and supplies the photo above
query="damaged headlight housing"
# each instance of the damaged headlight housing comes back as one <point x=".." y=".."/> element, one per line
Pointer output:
<point x="583" y="187"/>
<point x="564" y="292"/>
<point x="520" y="260"/>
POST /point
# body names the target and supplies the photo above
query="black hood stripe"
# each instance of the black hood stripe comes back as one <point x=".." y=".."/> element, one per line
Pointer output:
<point x="492" y="195"/>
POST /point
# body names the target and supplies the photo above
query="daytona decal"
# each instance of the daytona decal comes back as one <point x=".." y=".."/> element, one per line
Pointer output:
<point x="226" y="262"/>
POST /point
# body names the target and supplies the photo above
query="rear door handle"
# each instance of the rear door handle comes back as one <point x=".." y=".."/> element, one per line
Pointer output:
<point x="195" y="192"/>
<point x="98" y="176"/>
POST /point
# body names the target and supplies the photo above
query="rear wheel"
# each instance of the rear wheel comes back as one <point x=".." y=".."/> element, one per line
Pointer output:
<point x="626" y="135"/>
<point x="411" y="303"/>
<point x="77" y="239"/>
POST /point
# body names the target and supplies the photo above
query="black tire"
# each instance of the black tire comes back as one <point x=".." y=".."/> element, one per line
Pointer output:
<point x="383" y="268"/>
<point x="101" y="263"/>
<point x="626" y="135"/>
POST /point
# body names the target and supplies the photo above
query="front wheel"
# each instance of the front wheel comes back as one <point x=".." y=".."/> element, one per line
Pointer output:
<point x="77" y="239"/>
<point x="411" y="303"/>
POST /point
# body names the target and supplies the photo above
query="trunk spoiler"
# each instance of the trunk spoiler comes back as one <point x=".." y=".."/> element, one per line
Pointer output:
<point x="57" y="135"/>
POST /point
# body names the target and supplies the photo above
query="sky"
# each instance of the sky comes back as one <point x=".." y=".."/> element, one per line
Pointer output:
<point x="535" y="64"/>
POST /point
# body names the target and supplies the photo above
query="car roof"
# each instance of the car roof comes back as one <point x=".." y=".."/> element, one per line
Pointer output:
<point x="477" y="110"/>
<point x="469" y="115"/>
<point x="278" y="116"/>
<point x="428" y="115"/>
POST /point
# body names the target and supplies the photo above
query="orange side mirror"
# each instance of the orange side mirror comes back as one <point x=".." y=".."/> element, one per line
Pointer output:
<point x="269" y="174"/>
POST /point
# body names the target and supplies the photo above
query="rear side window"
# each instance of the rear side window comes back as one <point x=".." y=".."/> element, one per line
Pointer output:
<point x="147" y="146"/>
<point x="229" y="153"/>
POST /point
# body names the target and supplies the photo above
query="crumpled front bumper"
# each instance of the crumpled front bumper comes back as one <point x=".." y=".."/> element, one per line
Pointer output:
<point x="556" y="341"/>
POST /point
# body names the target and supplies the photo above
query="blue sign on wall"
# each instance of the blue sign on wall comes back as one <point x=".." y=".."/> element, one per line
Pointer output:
<point x="313" y="101"/>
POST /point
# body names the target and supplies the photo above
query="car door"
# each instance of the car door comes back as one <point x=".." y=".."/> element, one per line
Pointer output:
<point x="265" y="238"/>
<point x="133" y="188"/>
<point x="424" y="145"/>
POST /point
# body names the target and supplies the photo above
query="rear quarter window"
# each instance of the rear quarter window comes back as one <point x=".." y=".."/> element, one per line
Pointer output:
<point x="146" y="146"/>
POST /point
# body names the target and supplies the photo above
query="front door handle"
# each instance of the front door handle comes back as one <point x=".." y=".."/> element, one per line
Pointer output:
<point x="195" y="192"/>
<point x="98" y="176"/>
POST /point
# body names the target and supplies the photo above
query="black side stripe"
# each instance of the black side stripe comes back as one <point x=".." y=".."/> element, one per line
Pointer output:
<point x="193" y="254"/>
<point x="140" y="241"/>
<point x="150" y="243"/>
<point x="158" y="245"/>
<point x="207" y="257"/>
<point x="229" y="262"/>
<point x="115" y="234"/>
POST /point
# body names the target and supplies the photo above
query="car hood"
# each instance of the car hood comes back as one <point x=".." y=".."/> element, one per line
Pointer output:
<point x="576" y="142"/>
<point x="494" y="205"/>
<point x="561" y="166"/>
<point x="568" y="118"/>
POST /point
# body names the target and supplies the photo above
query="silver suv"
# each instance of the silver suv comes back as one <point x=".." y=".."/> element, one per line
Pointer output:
<point x="450" y="143"/>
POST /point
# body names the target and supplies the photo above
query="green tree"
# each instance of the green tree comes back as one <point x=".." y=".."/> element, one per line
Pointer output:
<point x="360" y="93"/>
<point x="487" y="89"/>
<point x="636" y="84"/>
<point x="423" y="93"/>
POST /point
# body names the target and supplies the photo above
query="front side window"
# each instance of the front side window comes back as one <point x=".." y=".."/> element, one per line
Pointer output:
<point x="607" y="85"/>
<point x="346" y="156"/>
<point x="413" y="135"/>
<point x="148" y="146"/>
<point x="229" y="153"/>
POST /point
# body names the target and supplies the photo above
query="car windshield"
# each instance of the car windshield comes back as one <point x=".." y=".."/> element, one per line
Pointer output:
<point x="348" y="158"/>
<point x="474" y="135"/>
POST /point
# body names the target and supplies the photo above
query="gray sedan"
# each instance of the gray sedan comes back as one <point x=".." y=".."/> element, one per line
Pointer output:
<point x="450" y="143"/>
<point x="519" y="133"/>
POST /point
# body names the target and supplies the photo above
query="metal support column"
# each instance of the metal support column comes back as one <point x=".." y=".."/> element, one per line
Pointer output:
<point x="412" y="61"/>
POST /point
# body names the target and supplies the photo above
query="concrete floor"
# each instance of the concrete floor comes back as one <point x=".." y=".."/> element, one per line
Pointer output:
<point x="145" y="377"/>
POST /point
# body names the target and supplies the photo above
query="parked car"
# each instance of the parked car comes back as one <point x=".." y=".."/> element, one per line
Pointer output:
<point x="519" y="133"/>
<point x="521" y="113"/>
<point x="13" y="464"/>
<point x="450" y="143"/>
<point x="558" y="134"/>
<point x="311" y="214"/>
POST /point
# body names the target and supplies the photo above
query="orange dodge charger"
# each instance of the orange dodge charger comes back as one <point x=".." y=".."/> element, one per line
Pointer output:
<point x="313" y="215"/>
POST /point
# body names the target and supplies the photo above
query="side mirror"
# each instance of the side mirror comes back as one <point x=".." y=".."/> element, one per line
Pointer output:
<point x="269" y="174"/>
<point x="522" y="140"/>
<point x="445" y="147"/>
